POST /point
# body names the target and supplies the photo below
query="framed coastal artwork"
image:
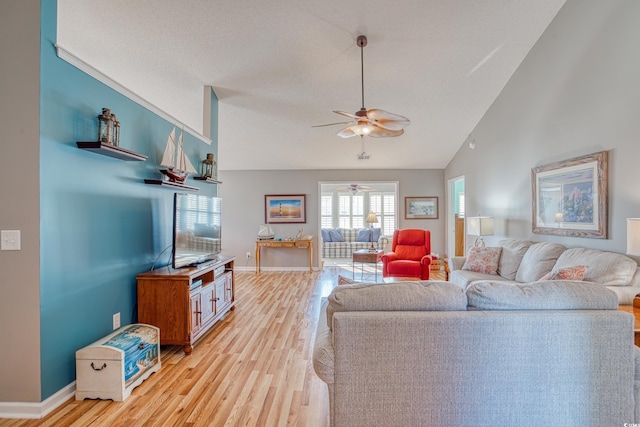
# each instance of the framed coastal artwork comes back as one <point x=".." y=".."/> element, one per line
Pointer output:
<point x="570" y="197"/>
<point x="285" y="208"/>
<point x="420" y="208"/>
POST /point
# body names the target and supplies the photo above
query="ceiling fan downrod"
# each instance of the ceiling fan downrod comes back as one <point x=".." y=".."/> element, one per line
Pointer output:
<point x="362" y="42"/>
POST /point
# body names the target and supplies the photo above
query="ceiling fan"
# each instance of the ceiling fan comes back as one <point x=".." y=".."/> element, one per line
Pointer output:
<point x="375" y="122"/>
<point x="354" y="188"/>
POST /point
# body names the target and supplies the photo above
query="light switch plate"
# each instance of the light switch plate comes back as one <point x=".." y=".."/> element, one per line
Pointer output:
<point x="10" y="240"/>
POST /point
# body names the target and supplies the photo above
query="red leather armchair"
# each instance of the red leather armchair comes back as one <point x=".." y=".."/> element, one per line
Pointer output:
<point x="409" y="256"/>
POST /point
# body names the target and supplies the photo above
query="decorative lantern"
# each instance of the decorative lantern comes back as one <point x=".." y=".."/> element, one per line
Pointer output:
<point x="116" y="131"/>
<point x="209" y="167"/>
<point x="105" y="126"/>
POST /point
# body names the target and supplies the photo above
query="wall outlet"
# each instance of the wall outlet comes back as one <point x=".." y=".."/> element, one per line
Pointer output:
<point x="248" y="255"/>
<point x="116" y="321"/>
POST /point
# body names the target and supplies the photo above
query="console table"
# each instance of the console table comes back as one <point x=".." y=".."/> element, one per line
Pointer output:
<point x="308" y="244"/>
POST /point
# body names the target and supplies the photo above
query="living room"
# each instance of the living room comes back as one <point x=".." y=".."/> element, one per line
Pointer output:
<point x="575" y="93"/>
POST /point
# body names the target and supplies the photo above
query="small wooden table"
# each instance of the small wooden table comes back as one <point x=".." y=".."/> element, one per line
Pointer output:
<point x="365" y="256"/>
<point x="284" y="244"/>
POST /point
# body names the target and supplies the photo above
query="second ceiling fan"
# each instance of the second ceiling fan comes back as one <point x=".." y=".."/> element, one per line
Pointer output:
<point x="375" y="122"/>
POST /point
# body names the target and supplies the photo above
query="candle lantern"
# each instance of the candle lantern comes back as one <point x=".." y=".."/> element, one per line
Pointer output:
<point x="209" y="167"/>
<point x="105" y="126"/>
<point x="116" y="131"/>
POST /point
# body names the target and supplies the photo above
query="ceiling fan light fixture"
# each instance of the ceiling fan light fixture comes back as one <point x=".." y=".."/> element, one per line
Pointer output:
<point x="363" y="129"/>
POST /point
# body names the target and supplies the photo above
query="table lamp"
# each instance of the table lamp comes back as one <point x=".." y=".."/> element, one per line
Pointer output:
<point x="371" y="219"/>
<point x="480" y="226"/>
<point x="633" y="236"/>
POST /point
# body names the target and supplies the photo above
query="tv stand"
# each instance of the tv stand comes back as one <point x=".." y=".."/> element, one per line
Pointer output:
<point x="186" y="302"/>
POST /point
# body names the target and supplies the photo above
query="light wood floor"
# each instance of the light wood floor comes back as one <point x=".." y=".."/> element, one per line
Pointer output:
<point x="252" y="369"/>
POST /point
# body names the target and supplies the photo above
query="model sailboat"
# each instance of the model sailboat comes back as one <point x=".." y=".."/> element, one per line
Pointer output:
<point x="178" y="165"/>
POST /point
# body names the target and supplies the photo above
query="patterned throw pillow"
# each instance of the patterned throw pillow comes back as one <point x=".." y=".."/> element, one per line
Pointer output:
<point x="345" y="280"/>
<point x="483" y="260"/>
<point x="570" y="273"/>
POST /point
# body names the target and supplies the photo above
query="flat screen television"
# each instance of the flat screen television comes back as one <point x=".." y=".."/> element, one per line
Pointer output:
<point x="197" y="222"/>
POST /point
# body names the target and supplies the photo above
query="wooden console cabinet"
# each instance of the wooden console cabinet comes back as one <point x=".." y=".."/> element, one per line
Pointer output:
<point x="186" y="302"/>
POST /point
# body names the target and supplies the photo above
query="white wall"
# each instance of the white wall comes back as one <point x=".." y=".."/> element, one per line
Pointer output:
<point x="243" y="207"/>
<point x="19" y="195"/>
<point x="577" y="92"/>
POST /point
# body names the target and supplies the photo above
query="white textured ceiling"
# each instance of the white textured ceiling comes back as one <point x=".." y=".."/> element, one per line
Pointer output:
<point x="279" y="67"/>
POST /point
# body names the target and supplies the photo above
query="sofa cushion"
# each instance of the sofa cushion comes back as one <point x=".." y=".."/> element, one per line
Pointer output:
<point x="396" y="296"/>
<point x="606" y="268"/>
<point x="538" y="261"/>
<point x="336" y="235"/>
<point x="483" y="260"/>
<point x="326" y="235"/>
<point x="544" y="295"/>
<point x="570" y="273"/>
<point x="364" y="235"/>
<point x="511" y="257"/>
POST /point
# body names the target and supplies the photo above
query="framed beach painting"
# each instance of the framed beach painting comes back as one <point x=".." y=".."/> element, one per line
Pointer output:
<point x="570" y="197"/>
<point x="285" y="208"/>
<point x="420" y="208"/>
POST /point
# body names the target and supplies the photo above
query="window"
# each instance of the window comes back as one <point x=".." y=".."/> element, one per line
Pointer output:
<point x="348" y="210"/>
<point x="384" y="206"/>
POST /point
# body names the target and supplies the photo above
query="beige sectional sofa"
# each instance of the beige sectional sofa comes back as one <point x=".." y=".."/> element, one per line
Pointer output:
<point x="552" y="353"/>
<point x="521" y="261"/>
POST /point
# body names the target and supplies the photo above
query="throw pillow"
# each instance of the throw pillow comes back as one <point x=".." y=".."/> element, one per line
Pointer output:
<point x="336" y="235"/>
<point x="483" y="260"/>
<point x="326" y="235"/>
<point x="345" y="280"/>
<point x="376" y="234"/>
<point x="570" y="273"/>
<point x="364" y="235"/>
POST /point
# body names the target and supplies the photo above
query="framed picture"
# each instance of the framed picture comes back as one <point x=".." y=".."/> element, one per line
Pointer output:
<point x="420" y="208"/>
<point x="570" y="197"/>
<point x="285" y="208"/>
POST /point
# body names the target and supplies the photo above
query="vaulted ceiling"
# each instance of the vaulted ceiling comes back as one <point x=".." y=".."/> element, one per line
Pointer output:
<point x="280" y="67"/>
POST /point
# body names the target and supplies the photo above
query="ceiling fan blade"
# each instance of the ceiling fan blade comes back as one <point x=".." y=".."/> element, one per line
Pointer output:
<point x="347" y="132"/>
<point x="387" y="120"/>
<point x="331" y="124"/>
<point x="352" y="116"/>
<point x="381" y="132"/>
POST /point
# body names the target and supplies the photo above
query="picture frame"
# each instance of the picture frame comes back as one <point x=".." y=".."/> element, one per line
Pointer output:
<point x="569" y="198"/>
<point x="285" y="208"/>
<point x="421" y="207"/>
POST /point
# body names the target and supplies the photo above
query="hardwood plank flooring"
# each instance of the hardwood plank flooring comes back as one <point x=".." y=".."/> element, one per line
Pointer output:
<point x="254" y="368"/>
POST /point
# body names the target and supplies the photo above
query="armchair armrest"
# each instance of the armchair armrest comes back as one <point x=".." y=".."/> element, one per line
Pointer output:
<point x="456" y="262"/>
<point x="389" y="256"/>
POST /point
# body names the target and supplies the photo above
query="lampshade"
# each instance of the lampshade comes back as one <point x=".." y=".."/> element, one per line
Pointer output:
<point x="480" y="225"/>
<point x="633" y="236"/>
<point x="372" y="218"/>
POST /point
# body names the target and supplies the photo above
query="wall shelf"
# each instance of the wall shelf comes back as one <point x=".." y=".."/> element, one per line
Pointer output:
<point x="111" y="151"/>
<point x="170" y="184"/>
<point x="207" y="180"/>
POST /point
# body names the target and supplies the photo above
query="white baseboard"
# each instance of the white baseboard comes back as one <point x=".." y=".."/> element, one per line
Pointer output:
<point x="33" y="410"/>
<point x="253" y="268"/>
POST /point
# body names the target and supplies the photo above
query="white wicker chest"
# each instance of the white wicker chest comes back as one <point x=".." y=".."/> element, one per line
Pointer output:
<point x="113" y="366"/>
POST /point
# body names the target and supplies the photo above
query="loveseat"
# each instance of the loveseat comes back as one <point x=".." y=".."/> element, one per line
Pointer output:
<point x="427" y="353"/>
<point x="521" y="261"/>
<point x="343" y="242"/>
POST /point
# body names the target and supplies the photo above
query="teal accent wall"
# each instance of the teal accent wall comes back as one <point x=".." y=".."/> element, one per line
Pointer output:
<point x="100" y="224"/>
